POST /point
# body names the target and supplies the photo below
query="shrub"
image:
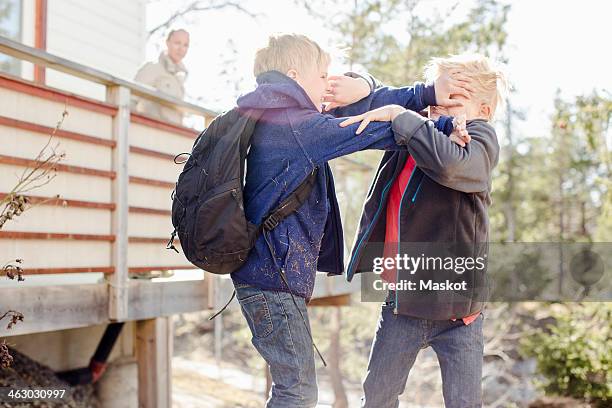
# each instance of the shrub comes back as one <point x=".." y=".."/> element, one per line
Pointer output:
<point x="574" y="354"/>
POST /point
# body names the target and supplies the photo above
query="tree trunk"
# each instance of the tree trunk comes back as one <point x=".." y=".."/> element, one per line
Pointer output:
<point x="561" y="232"/>
<point x="583" y="220"/>
<point x="510" y="210"/>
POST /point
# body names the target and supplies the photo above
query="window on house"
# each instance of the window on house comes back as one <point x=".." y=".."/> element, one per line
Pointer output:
<point x="10" y="27"/>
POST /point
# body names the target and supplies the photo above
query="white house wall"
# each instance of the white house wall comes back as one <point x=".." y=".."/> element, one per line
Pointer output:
<point x="109" y="35"/>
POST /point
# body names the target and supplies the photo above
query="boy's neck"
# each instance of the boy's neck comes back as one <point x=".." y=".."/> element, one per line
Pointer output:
<point x="478" y="118"/>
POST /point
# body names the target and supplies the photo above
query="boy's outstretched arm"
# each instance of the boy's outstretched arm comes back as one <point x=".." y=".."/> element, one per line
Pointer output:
<point x="323" y="138"/>
<point x="466" y="169"/>
<point x="353" y="94"/>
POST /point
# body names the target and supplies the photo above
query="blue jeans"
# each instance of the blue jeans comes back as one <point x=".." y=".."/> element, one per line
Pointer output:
<point x="399" y="339"/>
<point x="280" y="337"/>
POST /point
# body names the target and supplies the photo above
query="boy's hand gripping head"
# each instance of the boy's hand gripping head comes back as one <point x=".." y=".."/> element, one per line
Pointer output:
<point x="460" y="134"/>
<point x="486" y="83"/>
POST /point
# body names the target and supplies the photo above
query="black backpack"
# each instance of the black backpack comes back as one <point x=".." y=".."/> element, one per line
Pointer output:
<point x="207" y="207"/>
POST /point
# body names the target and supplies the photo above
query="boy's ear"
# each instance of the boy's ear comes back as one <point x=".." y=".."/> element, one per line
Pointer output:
<point x="485" y="110"/>
<point x="292" y="73"/>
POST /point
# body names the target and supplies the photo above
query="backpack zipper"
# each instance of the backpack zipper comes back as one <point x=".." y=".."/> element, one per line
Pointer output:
<point x="238" y="200"/>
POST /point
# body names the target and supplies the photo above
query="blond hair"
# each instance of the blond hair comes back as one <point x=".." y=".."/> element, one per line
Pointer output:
<point x="289" y="51"/>
<point x="489" y="82"/>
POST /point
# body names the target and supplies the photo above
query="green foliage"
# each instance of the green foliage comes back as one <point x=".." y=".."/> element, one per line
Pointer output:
<point x="575" y="354"/>
<point x="592" y="116"/>
<point x="397" y="56"/>
<point x="557" y="186"/>
<point x="482" y="31"/>
<point x="519" y="272"/>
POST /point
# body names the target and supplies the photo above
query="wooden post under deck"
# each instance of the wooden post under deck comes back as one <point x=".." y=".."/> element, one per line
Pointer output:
<point x="154" y="357"/>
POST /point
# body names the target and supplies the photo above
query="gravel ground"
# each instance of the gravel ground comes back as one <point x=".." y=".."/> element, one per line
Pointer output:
<point x="26" y="373"/>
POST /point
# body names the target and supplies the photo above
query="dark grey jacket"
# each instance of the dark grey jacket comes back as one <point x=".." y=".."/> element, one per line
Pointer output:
<point x="445" y="204"/>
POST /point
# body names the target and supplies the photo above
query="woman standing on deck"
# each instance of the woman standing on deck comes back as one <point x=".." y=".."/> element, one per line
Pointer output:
<point x="166" y="75"/>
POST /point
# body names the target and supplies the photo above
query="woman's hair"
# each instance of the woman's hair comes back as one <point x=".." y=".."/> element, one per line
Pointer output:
<point x="289" y="51"/>
<point x="176" y="31"/>
<point x="488" y="81"/>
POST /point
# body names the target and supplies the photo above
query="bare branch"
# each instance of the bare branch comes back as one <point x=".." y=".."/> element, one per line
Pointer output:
<point x="200" y="6"/>
<point x="15" y="202"/>
<point x="14" y="316"/>
<point x="14" y="270"/>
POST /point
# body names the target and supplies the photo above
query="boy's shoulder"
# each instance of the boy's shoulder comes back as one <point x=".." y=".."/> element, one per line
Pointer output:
<point x="480" y="123"/>
<point x="481" y="128"/>
<point x="483" y="132"/>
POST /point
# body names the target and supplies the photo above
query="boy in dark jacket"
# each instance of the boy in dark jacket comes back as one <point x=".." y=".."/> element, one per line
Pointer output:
<point x="423" y="201"/>
<point x="290" y="141"/>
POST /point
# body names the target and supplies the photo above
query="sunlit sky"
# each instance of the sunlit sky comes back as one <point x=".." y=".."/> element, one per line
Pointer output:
<point x="552" y="45"/>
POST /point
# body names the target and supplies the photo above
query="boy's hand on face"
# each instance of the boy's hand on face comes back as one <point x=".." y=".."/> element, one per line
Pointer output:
<point x="343" y="90"/>
<point x="452" y="83"/>
<point x="382" y="114"/>
<point x="460" y="134"/>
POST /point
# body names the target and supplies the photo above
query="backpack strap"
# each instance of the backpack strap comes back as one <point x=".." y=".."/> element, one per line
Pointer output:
<point x="224" y="307"/>
<point x="284" y="209"/>
<point x="291" y="203"/>
<point x="246" y="134"/>
<point x="253" y="116"/>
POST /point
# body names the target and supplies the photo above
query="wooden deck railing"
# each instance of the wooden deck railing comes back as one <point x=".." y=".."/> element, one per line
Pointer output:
<point x="113" y="211"/>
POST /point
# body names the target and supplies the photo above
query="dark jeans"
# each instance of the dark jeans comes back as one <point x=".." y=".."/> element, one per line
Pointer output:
<point x="399" y="339"/>
<point x="280" y="337"/>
